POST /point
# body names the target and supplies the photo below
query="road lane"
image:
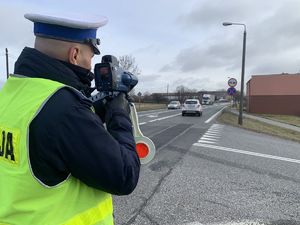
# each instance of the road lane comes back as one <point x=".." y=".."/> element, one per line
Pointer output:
<point x="259" y="144"/>
<point x="173" y="137"/>
<point x="209" y="186"/>
<point x="158" y="115"/>
<point x="221" y="148"/>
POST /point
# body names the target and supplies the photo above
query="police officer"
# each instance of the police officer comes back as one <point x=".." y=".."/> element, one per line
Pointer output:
<point x="58" y="164"/>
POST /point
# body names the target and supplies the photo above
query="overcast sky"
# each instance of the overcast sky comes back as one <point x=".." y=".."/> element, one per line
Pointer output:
<point x="176" y="42"/>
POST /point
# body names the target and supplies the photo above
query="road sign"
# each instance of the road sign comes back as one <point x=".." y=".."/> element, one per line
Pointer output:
<point x="231" y="91"/>
<point x="232" y="82"/>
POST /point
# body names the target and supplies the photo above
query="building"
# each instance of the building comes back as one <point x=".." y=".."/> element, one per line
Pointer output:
<point x="274" y="94"/>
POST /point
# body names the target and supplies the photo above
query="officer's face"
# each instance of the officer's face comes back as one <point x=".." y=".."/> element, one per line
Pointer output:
<point x="85" y="56"/>
<point x="81" y="55"/>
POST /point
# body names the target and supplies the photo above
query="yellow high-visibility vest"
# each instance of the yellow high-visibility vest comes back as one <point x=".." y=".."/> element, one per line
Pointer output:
<point x="24" y="200"/>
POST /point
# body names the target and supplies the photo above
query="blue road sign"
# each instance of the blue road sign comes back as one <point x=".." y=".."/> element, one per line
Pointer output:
<point x="231" y="91"/>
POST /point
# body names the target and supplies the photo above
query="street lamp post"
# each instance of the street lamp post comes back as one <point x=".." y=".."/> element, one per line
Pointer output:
<point x="240" y="120"/>
<point x="7" y="71"/>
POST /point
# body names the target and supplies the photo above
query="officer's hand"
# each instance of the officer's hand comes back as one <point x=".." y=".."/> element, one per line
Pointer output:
<point x="117" y="104"/>
<point x="100" y="110"/>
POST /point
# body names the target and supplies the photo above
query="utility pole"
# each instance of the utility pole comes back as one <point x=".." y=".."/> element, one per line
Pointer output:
<point x="240" y="119"/>
<point x="7" y="71"/>
<point x="168" y="92"/>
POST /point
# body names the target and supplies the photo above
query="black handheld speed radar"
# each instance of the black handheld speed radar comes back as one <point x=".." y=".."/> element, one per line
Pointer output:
<point x="110" y="77"/>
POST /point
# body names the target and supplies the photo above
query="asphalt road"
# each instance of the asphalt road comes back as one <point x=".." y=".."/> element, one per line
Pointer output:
<point x="208" y="173"/>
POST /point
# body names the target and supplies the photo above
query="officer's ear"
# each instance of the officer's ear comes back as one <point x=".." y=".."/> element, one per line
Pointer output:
<point x="73" y="55"/>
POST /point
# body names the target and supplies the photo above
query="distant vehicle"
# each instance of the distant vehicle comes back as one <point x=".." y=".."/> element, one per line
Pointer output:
<point x="174" y="105"/>
<point x="223" y="100"/>
<point x="192" y="106"/>
<point x="208" y="99"/>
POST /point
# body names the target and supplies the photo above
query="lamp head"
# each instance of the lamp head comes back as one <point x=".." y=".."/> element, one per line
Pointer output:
<point x="227" y="24"/>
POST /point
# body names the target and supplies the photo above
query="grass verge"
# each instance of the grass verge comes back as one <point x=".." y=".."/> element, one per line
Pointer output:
<point x="292" y="120"/>
<point x="231" y="119"/>
<point x="149" y="106"/>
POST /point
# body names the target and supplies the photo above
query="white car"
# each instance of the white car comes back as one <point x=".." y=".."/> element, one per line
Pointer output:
<point x="174" y="105"/>
<point x="192" y="106"/>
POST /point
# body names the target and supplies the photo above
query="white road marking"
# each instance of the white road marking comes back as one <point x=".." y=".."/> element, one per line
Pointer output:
<point x="213" y="116"/>
<point x="215" y="128"/>
<point x="207" y="138"/>
<point x="221" y="148"/>
<point x="207" y="142"/>
<point x="213" y="132"/>
<point x="163" y="118"/>
<point x="217" y="125"/>
<point x="153" y="113"/>
<point x="151" y="116"/>
<point x="158" y="119"/>
<point x="211" y="136"/>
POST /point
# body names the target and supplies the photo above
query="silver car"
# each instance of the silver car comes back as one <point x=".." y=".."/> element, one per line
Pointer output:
<point x="192" y="106"/>
<point x="174" y="105"/>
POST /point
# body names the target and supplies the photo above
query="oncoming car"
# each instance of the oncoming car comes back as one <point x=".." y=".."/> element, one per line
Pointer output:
<point x="174" y="105"/>
<point x="192" y="106"/>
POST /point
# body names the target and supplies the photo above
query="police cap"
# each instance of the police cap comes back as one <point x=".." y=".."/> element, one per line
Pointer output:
<point x="68" y="28"/>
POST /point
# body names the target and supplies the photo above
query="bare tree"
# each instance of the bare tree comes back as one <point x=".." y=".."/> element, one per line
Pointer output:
<point x="127" y="62"/>
<point x="182" y="89"/>
<point x="184" y="92"/>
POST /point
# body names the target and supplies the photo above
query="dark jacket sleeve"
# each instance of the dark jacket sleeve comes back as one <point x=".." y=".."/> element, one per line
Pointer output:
<point x="67" y="137"/>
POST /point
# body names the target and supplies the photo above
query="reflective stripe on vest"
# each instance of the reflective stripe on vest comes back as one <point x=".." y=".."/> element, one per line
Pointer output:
<point x="93" y="215"/>
<point x="23" y="199"/>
